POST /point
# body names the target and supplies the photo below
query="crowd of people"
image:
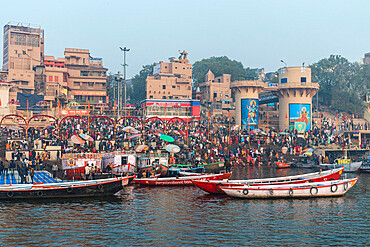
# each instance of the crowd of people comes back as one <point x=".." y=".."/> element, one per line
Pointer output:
<point x="200" y="142"/>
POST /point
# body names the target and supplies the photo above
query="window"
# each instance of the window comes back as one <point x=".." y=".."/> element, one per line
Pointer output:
<point x="215" y="95"/>
<point x="50" y="78"/>
<point x="24" y="82"/>
<point x="163" y="86"/>
<point x="284" y="80"/>
<point x="84" y="73"/>
<point x="188" y="87"/>
<point x="83" y="60"/>
<point x="151" y="97"/>
<point x="15" y="51"/>
<point x="173" y="86"/>
<point x="170" y="97"/>
<point x="303" y="79"/>
<point x="163" y="97"/>
<point x="56" y="78"/>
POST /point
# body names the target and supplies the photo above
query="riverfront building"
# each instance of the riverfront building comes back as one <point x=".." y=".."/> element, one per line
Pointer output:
<point x="171" y="80"/>
<point x="215" y="93"/>
<point x="294" y="94"/>
<point x="87" y="78"/>
<point x="23" y="50"/>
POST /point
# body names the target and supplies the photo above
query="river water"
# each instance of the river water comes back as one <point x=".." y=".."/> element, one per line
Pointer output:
<point x="187" y="216"/>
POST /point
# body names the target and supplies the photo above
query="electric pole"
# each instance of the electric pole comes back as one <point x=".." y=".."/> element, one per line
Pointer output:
<point x="124" y="70"/>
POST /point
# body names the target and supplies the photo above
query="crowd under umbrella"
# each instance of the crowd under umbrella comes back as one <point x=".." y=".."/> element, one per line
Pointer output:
<point x="167" y="138"/>
<point x="43" y="103"/>
<point x="86" y="137"/>
<point x="171" y="148"/>
<point x="14" y="102"/>
<point x="141" y="148"/>
<point x="77" y="139"/>
<point x="134" y="136"/>
<point x="129" y="107"/>
<point x="73" y="104"/>
<point x="130" y="129"/>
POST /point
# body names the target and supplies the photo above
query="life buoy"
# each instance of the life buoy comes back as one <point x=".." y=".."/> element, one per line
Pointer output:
<point x="271" y="191"/>
<point x="10" y="194"/>
<point x="245" y="191"/>
<point x="40" y="193"/>
<point x="69" y="189"/>
<point x="71" y="162"/>
<point x="100" y="187"/>
<point x="314" y="191"/>
<point x="290" y="192"/>
<point x="334" y="188"/>
<point x="217" y="187"/>
<point x="345" y="186"/>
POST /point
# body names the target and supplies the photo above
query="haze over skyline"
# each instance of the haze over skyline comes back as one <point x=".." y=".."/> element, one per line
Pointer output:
<point x="257" y="33"/>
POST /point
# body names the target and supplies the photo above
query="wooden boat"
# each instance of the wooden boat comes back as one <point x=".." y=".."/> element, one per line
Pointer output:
<point x="317" y="189"/>
<point x="364" y="168"/>
<point x="101" y="187"/>
<point x="282" y="165"/>
<point x="213" y="186"/>
<point x="304" y="162"/>
<point x="214" y="167"/>
<point x="186" y="180"/>
<point x="349" y="167"/>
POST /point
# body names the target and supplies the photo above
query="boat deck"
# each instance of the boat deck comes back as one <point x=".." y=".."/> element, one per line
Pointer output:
<point x="40" y="177"/>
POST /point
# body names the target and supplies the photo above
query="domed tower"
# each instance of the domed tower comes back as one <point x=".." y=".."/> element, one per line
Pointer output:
<point x="295" y="91"/>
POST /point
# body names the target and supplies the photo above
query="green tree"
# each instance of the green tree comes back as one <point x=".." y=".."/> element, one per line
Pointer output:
<point x="342" y="83"/>
<point x="219" y="66"/>
<point x="138" y="92"/>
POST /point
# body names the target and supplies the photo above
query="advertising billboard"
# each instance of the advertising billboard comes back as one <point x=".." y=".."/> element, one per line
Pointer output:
<point x="249" y="112"/>
<point x="300" y="117"/>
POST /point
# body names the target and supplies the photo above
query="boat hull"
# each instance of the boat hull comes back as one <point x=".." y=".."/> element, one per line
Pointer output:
<point x="321" y="189"/>
<point x="104" y="187"/>
<point x="178" y="181"/>
<point x="214" y="186"/>
<point x="351" y="167"/>
<point x="281" y="165"/>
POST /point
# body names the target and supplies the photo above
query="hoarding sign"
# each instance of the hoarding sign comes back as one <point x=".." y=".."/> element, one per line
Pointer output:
<point x="249" y="112"/>
<point x="74" y="112"/>
<point x="300" y="117"/>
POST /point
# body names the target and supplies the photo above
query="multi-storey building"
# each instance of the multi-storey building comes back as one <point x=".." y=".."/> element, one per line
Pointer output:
<point x="216" y="92"/>
<point x="171" y="80"/>
<point x="56" y="78"/>
<point x="23" y="50"/>
<point x="87" y="78"/>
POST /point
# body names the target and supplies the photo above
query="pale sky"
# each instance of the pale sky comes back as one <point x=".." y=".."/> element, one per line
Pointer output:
<point x="259" y="33"/>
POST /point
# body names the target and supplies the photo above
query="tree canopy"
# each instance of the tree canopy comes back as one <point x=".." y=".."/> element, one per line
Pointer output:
<point x="139" y="82"/>
<point x="219" y="66"/>
<point x="342" y="83"/>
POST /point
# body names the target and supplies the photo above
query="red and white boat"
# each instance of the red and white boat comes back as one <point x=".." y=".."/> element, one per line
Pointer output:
<point x="318" y="189"/>
<point x="282" y="165"/>
<point x="186" y="180"/>
<point x="214" y="186"/>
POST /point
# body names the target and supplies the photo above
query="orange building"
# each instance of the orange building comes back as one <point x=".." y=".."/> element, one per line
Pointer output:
<point x="87" y="78"/>
<point x="171" y="80"/>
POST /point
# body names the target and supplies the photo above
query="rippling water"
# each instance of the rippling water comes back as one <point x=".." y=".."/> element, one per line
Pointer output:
<point x="187" y="216"/>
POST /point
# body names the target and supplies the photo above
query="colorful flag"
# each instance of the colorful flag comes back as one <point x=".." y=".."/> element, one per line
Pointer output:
<point x="268" y="116"/>
<point x="88" y="104"/>
<point x="286" y="115"/>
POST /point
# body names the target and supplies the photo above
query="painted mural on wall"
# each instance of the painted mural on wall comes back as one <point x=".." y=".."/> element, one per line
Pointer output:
<point x="249" y="113"/>
<point x="300" y="117"/>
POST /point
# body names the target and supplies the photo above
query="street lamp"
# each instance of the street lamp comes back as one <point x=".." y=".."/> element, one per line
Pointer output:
<point x="124" y="68"/>
<point x="284" y="63"/>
